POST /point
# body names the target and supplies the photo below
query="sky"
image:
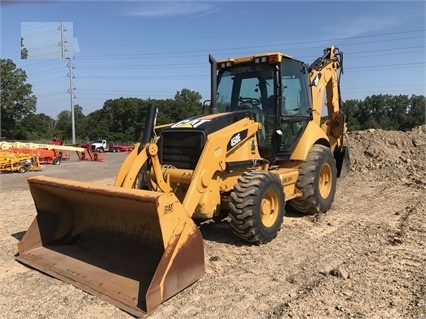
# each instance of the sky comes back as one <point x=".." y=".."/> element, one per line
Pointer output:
<point x="153" y="49"/>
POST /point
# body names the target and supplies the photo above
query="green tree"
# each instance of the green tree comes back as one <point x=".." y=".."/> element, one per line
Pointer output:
<point x="415" y="112"/>
<point x="397" y="112"/>
<point x="17" y="99"/>
<point x="167" y="111"/>
<point x="188" y="96"/>
<point x="64" y="124"/>
<point x="122" y="114"/>
<point x="80" y="122"/>
<point x="188" y="103"/>
<point x="36" y="127"/>
<point x="351" y="110"/>
<point x="377" y="107"/>
<point x="97" y="125"/>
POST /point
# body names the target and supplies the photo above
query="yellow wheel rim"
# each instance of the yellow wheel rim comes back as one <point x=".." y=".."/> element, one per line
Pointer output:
<point x="325" y="180"/>
<point x="269" y="208"/>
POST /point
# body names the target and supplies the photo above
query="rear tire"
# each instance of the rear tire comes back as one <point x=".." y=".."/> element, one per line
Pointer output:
<point x="317" y="181"/>
<point x="22" y="170"/>
<point x="257" y="207"/>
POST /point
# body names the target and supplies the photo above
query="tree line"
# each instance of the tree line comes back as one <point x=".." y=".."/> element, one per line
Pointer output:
<point x="119" y="120"/>
<point x="122" y="119"/>
<point x="386" y="112"/>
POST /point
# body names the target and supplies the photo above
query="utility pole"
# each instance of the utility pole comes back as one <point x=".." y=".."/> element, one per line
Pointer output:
<point x="71" y="76"/>
<point x="63" y="40"/>
<point x="71" y="92"/>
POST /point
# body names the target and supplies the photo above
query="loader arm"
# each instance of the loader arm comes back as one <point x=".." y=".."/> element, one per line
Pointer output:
<point x="136" y="163"/>
<point x="129" y="171"/>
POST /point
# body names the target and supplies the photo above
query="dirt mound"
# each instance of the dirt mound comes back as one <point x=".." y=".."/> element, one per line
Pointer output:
<point x="390" y="155"/>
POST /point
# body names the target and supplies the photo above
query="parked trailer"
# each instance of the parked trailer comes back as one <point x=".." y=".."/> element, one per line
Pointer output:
<point x="120" y="148"/>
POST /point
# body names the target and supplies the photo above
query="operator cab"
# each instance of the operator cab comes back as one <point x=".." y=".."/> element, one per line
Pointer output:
<point x="274" y="88"/>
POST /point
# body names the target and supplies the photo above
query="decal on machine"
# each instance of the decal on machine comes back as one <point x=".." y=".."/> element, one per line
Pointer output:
<point x="236" y="139"/>
<point x="168" y="208"/>
<point x="189" y="123"/>
<point x="316" y="79"/>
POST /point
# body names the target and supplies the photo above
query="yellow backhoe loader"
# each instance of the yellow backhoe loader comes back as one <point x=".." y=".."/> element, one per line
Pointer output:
<point x="261" y="145"/>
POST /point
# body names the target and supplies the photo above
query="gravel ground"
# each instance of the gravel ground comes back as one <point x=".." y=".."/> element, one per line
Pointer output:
<point x="364" y="258"/>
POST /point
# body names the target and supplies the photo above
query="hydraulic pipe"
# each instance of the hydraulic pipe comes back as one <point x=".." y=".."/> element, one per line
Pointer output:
<point x="147" y="135"/>
<point x="148" y="130"/>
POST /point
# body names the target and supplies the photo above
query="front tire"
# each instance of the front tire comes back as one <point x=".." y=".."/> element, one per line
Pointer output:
<point x="317" y="181"/>
<point x="257" y="207"/>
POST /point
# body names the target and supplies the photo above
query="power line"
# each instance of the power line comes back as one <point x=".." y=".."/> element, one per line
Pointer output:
<point x="84" y="63"/>
<point x="261" y="46"/>
<point x="203" y="65"/>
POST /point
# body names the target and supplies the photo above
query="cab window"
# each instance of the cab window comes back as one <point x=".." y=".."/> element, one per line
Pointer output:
<point x="295" y="100"/>
<point x="245" y="85"/>
<point x="295" y="104"/>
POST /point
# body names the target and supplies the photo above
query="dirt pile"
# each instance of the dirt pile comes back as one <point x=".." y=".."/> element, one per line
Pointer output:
<point x="391" y="155"/>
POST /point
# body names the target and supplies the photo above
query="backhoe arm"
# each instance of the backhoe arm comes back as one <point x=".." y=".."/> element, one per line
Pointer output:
<point x="325" y="78"/>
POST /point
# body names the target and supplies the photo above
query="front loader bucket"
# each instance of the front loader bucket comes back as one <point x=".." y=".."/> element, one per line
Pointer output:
<point x="132" y="248"/>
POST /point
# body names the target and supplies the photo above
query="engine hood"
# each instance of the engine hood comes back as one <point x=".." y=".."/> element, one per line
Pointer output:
<point x="212" y="122"/>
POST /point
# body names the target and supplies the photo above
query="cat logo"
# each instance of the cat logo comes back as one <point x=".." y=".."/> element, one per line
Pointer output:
<point x="168" y="208"/>
<point x="189" y="123"/>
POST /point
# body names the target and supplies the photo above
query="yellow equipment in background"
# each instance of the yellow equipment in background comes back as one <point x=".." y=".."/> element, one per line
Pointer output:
<point x="135" y="244"/>
<point x="17" y="162"/>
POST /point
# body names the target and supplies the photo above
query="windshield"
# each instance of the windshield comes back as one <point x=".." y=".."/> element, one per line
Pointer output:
<point x="245" y="86"/>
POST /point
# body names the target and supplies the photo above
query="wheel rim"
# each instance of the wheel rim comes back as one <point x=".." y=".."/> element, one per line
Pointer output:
<point x="269" y="208"/>
<point x="325" y="180"/>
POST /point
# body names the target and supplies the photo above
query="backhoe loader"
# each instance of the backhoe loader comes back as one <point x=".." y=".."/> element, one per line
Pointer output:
<point x="260" y="145"/>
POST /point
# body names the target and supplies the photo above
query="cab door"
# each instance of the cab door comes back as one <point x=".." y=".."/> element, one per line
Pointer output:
<point x="295" y="111"/>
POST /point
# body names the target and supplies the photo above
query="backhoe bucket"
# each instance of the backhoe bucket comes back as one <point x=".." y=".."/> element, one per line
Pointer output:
<point x="132" y="248"/>
<point x="343" y="162"/>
